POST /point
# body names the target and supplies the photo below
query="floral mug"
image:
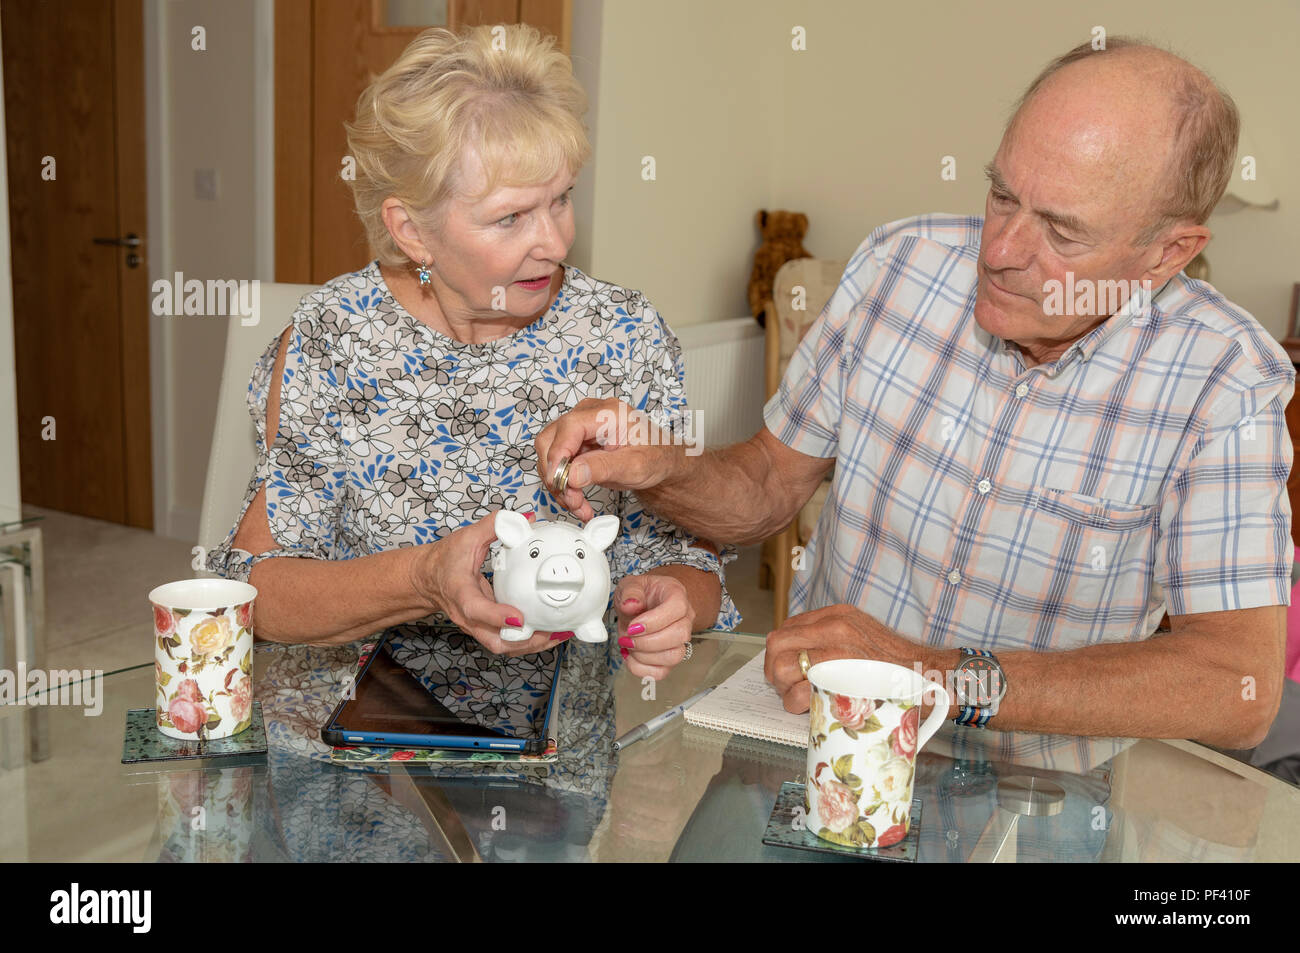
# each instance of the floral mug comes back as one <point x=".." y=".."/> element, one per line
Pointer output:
<point x="864" y="732"/>
<point x="203" y="657"/>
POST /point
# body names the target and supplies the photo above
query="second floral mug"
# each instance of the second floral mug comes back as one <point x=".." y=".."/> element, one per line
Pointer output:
<point x="864" y="733"/>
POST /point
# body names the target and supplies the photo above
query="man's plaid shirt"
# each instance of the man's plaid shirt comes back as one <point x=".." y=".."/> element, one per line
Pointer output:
<point x="977" y="502"/>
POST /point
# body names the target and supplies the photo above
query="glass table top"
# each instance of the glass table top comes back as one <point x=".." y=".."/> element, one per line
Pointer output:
<point x="684" y="794"/>
<point x="11" y="521"/>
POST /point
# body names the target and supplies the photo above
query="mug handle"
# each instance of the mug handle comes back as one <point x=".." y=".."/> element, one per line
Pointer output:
<point x="942" y="702"/>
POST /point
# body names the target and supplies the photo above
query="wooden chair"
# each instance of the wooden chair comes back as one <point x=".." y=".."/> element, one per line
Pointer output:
<point x="799" y="292"/>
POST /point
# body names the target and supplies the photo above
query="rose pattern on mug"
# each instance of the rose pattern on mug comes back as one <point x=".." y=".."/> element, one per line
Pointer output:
<point x="215" y="637"/>
<point x="847" y="819"/>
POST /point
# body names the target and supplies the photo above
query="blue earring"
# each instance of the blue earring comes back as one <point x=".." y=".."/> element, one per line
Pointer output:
<point x="423" y="273"/>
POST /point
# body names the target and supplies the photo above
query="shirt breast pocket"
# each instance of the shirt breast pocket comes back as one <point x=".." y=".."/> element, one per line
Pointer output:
<point x="1098" y="553"/>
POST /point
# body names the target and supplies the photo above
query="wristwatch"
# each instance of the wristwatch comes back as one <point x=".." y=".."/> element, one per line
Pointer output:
<point x="980" y="685"/>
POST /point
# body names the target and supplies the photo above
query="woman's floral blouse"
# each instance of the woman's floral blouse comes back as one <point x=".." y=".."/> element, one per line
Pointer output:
<point x="392" y="434"/>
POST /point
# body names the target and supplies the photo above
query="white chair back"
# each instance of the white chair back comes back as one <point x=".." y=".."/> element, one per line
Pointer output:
<point x="234" y="437"/>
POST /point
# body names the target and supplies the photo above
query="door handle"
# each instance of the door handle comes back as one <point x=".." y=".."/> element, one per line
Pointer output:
<point x="131" y="240"/>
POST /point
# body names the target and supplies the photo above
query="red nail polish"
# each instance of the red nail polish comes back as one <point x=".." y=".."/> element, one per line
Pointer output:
<point x="513" y="621"/>
<point x="623" y="652"/>
<point x="561" y="636"/>
<point x="636" y="628"/>
<point x="626" y="642"/>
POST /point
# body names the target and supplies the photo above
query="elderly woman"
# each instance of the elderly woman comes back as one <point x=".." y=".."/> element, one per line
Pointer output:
<point x="406" y="396"/>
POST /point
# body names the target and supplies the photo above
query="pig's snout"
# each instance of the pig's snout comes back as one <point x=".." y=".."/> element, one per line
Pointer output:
<point x="559" y="579"/>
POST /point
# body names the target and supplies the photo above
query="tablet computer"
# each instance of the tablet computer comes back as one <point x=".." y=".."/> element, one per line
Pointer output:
<point x="390" y="708"/>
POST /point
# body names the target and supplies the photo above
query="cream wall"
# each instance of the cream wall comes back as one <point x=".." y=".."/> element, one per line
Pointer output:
<point x="210" y="111"/>
<point x="687" y="83"/>
<point x="852" y="130"/>
<point x="584" y="51"/>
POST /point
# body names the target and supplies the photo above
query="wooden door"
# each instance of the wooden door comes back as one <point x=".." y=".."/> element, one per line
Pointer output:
<point x="74" y="113"/>
<point x="326" y="52"/>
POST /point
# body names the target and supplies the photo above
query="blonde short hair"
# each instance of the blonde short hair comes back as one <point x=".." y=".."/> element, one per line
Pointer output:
<point x="510" y="97"/>
<point x="1206" y="123"/>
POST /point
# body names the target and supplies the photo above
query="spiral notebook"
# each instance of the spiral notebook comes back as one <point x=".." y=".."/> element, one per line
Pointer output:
<point x="745" y="704"/>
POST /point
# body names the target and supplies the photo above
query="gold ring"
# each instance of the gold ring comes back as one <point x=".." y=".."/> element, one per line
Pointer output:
<point x="560" y="478"/>
<point x="804" y="662"/>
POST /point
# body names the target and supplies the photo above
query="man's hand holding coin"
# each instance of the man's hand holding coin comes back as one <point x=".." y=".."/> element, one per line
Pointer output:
<point x="593" y="445"/>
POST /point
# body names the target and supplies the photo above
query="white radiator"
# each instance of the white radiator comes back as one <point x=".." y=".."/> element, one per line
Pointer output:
<point x="724" y="378"/>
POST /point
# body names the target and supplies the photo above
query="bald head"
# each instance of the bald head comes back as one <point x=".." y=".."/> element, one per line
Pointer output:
<point x="1155" y="131"/>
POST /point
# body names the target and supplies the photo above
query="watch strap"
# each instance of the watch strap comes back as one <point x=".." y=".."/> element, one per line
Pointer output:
<point x="973" y="716"/>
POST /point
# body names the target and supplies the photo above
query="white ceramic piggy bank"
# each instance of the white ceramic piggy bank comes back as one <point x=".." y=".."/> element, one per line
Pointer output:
<point x="556" y="574"/>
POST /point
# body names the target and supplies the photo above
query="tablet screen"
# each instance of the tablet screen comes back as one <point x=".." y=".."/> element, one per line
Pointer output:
<point x="388" y="698"/>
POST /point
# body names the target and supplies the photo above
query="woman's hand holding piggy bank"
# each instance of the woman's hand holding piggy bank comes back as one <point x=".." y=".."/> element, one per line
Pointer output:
<point x="450" y="577"/>
<point x="555" y="573"/>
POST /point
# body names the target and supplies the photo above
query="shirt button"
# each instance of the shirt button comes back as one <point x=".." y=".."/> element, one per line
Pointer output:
<point x="1022" y="390"/>
<point x="954" y="577"/>
<point x="984" y="486"/>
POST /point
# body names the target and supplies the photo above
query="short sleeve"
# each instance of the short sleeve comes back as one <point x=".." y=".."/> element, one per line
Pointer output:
<point x="804" y="413"/>
<point x="656" y="385"/>
<point x="303" y="470"/>
<point x="1225" y="521"/>
<point x="656" y="372"/>
<point x="646" y="541"/>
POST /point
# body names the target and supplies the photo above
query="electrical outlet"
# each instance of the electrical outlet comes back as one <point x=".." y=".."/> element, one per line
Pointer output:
<point x="205" y="184"/>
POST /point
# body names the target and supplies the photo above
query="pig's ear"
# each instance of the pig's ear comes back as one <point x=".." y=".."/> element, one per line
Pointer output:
<point x="511" y="528"/>
<point x="600" y="532"/>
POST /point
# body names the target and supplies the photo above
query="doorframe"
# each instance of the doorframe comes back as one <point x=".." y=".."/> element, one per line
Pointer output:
<point x="292" y="83"/>
<point x="132" y="167"/>
<point x="10" y="478"/>
<point x="158" y="255"/>
<point x="264" y="184"/>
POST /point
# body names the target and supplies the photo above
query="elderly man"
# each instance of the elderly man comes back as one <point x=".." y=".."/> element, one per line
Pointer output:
<point x="1030" y="470"/>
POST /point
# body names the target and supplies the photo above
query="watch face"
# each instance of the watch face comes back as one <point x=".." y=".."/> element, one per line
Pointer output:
<point x="978" y="681"/>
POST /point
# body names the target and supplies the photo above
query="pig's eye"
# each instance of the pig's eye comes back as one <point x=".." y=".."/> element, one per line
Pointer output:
<point x="579" y="553"/>
<point x="534" y="552"/>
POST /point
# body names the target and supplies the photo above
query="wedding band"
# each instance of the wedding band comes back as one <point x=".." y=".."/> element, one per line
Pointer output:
<point x="560" y="478"/>
<point x="804" y="662"/>
<point x="690" y="651"/>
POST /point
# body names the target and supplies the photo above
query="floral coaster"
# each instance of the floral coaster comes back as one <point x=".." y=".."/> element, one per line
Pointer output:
<point x="782" y="832"/>
<point x="144" y="742"/>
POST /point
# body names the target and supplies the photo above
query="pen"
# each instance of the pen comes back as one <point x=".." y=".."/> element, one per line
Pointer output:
<point x="658" y="721"/>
